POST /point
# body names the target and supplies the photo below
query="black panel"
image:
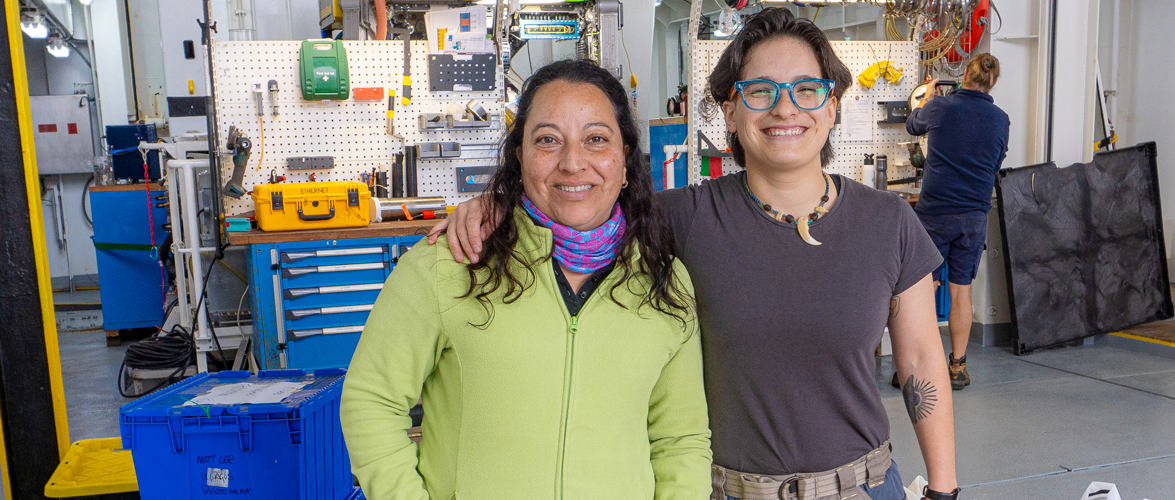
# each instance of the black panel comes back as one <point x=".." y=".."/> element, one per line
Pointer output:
<point x="462" y="73"/>
<point x="26" y="401"/>
<point x="1084" y="246"/>
<point x="178" y="107"/>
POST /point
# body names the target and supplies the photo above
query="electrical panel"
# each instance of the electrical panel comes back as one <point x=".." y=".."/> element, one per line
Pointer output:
<point x="550" y="26"/>
<point x="61" y="133"/>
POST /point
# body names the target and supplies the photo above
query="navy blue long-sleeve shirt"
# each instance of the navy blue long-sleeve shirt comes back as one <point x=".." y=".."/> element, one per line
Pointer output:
<point x="967" y="144"/>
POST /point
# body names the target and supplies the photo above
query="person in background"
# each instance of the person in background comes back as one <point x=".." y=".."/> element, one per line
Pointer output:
<point x="967" y="143"/>
<point x="797" y="273"/>
<point x="567" y="362"/>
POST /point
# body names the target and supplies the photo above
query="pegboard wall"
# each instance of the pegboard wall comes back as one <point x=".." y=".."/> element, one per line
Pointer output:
<point x="353" y="131"/>
<point x="849" y="156"/>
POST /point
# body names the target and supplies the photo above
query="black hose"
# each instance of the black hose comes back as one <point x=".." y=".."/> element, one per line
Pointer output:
<point x="175" y="349"/>
<point x="86" y="201"/>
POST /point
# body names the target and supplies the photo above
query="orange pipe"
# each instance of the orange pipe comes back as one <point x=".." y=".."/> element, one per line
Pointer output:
<point x="381" y="20"/>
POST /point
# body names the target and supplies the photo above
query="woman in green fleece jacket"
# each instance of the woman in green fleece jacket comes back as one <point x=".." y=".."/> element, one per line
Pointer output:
<point x="567" y="364"/>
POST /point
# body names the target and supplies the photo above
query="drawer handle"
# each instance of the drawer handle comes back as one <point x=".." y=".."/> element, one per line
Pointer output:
<point x="294" y="293"/>
<point x="290" y="272"/>
<point x="327" y="216"/>
<point x="301" y="334"/>
<point x="302" y="313"/>
<point x="294" y="256"/>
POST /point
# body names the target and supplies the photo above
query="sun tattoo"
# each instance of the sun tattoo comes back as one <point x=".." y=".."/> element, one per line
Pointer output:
<point x="920" y="398"/>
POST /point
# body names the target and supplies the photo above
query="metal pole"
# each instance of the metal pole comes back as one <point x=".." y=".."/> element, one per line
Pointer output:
<point x="191" y="247"/>
<point x="99" y="146"/>
<point x="210" y="111"/>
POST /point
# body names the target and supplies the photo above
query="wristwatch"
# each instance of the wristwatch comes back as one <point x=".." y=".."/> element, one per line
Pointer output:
<point x="929" y="494"/>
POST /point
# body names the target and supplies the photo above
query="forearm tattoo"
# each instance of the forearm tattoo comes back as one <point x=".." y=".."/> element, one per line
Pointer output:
<point x="895" y="305"/>
<point x="920" y="396"/>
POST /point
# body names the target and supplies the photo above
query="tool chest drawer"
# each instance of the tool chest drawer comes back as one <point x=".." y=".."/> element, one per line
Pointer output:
<point x="311" y="299"/>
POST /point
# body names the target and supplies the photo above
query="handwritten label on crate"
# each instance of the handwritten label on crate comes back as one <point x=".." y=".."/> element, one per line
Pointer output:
<point x="222" y="475"/>
<point x="247" y="393"/>
<point x="218" y="477"/>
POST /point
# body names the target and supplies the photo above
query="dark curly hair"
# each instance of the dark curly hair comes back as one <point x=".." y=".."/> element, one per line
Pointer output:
<point x="647" y="229"/>
<point x="769" y="24"/>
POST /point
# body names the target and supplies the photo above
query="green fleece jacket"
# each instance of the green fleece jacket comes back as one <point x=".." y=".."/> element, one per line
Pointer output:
<point x="538" y="405"/>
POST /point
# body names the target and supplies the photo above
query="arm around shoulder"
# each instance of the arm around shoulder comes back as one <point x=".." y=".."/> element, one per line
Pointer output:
<point x="400" y="346"/>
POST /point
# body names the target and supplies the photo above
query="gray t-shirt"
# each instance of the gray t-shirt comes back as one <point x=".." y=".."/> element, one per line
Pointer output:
<point x="789" y="329"/>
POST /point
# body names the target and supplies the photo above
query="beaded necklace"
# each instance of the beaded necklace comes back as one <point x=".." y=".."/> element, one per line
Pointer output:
<point x="804" y="221"/>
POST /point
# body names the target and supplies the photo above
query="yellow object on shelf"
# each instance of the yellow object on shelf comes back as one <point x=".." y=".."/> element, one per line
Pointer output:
<point x="93" y="467"/>
<point x="311" y="205"/>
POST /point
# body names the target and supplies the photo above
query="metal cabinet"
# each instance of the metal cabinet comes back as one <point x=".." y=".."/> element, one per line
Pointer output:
<point x="311" y="299"/>
<point x="131" y="279"/>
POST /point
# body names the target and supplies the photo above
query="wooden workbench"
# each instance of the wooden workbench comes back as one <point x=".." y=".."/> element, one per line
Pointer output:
<point x="378" y="230"/>
<point x="154" y="186"/>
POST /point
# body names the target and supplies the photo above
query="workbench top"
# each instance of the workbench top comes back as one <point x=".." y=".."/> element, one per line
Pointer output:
<point x="154" y="186"/>
<point x="378" y="230"/>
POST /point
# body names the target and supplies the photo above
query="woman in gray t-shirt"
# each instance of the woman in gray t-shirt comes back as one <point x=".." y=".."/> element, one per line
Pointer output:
<point x="797" y="273"/>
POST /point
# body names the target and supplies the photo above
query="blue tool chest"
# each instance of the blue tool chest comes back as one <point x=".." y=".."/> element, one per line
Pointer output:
<point x="311" y="298"/>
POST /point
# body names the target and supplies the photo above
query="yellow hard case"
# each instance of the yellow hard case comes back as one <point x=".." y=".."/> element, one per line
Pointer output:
<point x="311" y="205"/>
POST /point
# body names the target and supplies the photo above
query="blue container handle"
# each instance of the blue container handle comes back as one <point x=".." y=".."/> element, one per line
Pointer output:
<point x="280" y="373"/>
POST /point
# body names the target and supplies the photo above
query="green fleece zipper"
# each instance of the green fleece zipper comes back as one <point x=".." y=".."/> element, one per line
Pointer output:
<point x="572" y="329"/>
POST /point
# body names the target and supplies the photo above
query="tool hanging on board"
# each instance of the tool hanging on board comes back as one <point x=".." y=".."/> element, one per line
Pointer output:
<point x="406" y="36"/>
<point x="273" y="96"/>
<point x="241" y="147"/>
<point x="391" y="111"/>
<point x="260" y="99"/>
<point x="398" y="175"/>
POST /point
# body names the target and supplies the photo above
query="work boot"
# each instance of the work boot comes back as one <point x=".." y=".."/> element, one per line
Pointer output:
<point x="959" y="376"/>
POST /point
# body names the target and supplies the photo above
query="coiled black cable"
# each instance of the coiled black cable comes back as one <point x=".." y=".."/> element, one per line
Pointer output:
<point x="175" y="349"/>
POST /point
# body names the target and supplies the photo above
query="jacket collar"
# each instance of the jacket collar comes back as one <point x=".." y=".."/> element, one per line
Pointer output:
<point x="535" y="241"/>
<point x="974" y="93"/>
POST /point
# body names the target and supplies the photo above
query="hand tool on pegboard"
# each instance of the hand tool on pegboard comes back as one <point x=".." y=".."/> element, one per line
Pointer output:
<point x="406" y="36"/>
<point x="240" y="145"/>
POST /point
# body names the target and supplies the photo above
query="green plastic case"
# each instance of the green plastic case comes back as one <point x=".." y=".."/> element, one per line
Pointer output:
<point x="324" y="70"/>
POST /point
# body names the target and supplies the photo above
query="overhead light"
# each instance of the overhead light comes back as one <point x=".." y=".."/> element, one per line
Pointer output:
<point x="86" y="2"/>
<point x="56" y="47"/>
<point x="32" y="25"/>
<point x="656" y="3"/>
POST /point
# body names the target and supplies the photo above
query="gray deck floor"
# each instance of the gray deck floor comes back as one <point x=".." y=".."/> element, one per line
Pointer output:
<point x="1038" y="426"/>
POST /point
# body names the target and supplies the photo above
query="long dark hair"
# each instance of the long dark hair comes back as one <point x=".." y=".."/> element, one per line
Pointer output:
<point x="769" y="24"/>
<point x="647" y="229"/>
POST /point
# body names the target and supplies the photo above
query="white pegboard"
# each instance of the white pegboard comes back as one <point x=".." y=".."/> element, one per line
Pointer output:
<point x="848" y="156"/>
<point x="354" y="132"/>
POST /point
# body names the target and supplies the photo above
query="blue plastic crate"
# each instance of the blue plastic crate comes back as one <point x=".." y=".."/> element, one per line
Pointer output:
<point x="292" y="450"/>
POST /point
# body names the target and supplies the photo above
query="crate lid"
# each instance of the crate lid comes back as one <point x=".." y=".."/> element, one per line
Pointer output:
<point x="93" y="467"/>
<point x="238" y="392"/>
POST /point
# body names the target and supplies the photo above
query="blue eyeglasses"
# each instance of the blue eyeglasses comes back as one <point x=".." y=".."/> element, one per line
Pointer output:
<point x="807" y="94"/>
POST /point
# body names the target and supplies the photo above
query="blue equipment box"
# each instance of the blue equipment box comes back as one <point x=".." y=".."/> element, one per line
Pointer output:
<point x="130" y="281"/>
<point x="259" y="450"/>
<point x="126" y="161"/>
